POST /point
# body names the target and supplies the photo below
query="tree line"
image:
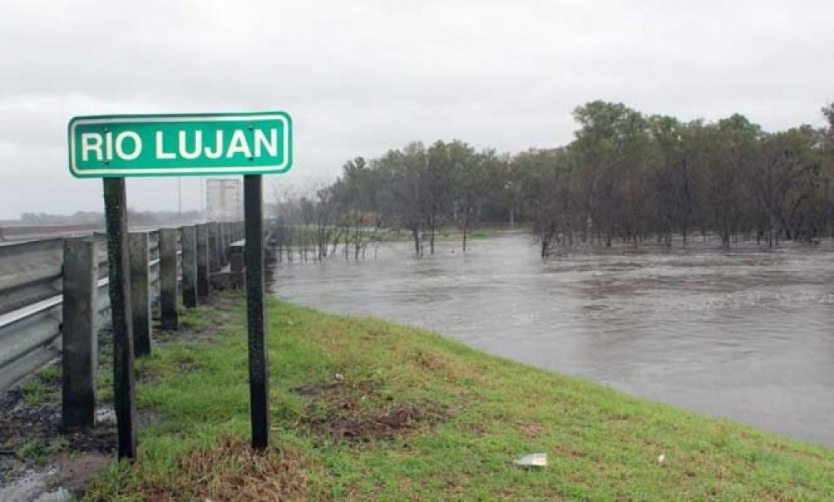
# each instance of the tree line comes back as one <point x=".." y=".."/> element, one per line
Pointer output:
<point x="135" y="217"/>
<point x="626" y="177"/>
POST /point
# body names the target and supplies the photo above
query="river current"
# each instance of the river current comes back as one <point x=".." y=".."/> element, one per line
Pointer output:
<point x="744" y="334"/>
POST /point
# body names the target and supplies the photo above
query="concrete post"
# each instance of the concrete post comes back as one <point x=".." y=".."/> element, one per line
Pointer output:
<point x="238" y="268"/>
<point x="168" y="279"/>
<point x="219" y="227"/>
<point x="140" y="295"/>
<point x="189" y="266"/>
<point x="203" y="260"/>
<point x="78" y="335"/>
<point x="214" y="262"/>
<point x="224" y="232"/>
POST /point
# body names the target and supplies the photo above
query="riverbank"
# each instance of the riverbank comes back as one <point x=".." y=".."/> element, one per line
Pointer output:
<point x="364" y="409"/>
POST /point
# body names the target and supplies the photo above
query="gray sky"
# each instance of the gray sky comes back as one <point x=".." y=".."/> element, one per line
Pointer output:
<point x="362" y="76"/>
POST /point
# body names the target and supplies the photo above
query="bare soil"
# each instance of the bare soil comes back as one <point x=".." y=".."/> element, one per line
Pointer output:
<point x="358" y="412"/>
<point x="33" y="445"/>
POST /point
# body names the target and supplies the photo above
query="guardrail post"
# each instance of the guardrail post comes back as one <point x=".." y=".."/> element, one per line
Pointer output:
<point x="78" y="335"/>
<point x="227" y="247"/>
<point x="214" y="264"/>
<point x="221" y="244"/>
<point x="238" y="269"/>
<point x="140" y="295"/>
<point x="189" y="266"/>
<point x="168" y="279"/>
<point x="203" y="260"/>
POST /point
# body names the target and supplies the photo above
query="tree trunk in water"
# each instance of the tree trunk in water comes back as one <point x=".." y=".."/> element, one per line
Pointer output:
<point x="465" y="231"/>
<point x="431" y="234"/>
<point x="415" y="231"/>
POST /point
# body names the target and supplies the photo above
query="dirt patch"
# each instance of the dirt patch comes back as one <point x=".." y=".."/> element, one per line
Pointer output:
<point x="36" y="453"/>
<point x="233" y="471"/>
<point x="532" y="430"/>
<point x="146" y="376"/>
<point x="77" y="471"/>
<point x="205" y="327"/>
<point x="315" y="389"/>
<point x="10" y="399"/>
<point x="191" y="331"/>
<point x="359" y="412"/>
<point x="24" y="426"/>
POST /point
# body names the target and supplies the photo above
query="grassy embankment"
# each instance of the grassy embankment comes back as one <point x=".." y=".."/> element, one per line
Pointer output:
<point x="364" y="409"/>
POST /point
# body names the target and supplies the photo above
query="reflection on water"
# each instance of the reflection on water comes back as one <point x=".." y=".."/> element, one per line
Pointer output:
<point x="741" y="334"/>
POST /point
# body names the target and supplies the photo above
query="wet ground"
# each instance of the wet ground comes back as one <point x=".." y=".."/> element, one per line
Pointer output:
<point x="744" y="334"/>
<point x="39" y="461"/>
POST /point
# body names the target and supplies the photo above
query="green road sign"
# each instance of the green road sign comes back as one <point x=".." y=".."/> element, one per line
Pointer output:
<point x="180" y="145"/>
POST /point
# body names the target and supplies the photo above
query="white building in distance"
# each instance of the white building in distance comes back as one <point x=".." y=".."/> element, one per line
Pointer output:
<point x="224" y="200"/>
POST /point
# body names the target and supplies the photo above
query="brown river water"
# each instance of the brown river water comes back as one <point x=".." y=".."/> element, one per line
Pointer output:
<point x="743" y="334"/>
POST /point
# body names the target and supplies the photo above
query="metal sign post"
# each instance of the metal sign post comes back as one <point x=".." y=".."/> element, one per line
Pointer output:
<point x="114" y="147"/>
<point x="124" y="391"/>
<point x="256" y="310"/>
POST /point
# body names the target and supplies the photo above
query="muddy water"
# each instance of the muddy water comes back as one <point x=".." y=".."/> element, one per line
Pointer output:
<point x="745" y="334"/>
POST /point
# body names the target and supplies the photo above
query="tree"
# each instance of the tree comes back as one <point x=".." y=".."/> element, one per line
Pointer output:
<point x="625" y="176"/>
<point x="828" y="112"/>
<point x="611" y="145"/>
<point x="545" y="179"/>
<point x="435" y="186"/>
<point x="400" y="172"/>
<point x="675" y="182"/>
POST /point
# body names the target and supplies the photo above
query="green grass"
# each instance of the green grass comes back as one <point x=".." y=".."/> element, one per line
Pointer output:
<point x="454" y="234"/>
<point x="468" y="416"/>
<point x="43" y="387"/>
<point x="39" y="451"/>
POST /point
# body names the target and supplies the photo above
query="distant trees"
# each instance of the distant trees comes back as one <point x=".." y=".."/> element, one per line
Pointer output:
<point x="625" y="176"/>
<point x="96" y="218"/>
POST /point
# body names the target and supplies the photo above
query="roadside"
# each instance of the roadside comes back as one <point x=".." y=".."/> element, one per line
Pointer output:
<point x="39" y="460"/>
<point x="364" y="409"/>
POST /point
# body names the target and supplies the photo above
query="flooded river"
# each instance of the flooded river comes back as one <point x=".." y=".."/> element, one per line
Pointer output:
<point x="745" y="334"/>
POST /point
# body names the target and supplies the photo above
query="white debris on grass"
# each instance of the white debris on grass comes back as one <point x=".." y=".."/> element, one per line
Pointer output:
<point x="532" y="460"/>
<point x="105" y="415"/>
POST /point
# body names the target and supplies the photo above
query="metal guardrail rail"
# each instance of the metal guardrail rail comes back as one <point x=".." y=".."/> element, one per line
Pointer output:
<point x="31" y="300"/>
<point x="30" y="306"/>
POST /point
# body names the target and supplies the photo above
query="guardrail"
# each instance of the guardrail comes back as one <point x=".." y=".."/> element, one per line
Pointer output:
<point x="33" y="232"/>
<point x="32" y="292"/>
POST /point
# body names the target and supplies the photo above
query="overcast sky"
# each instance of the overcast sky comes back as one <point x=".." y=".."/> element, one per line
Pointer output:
<point x="360" y="77"/>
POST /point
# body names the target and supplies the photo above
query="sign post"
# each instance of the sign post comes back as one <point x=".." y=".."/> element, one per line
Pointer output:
<point x="114" y="147"/>
<point x="124" y="391"/>
<point x="256" y="309"/>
